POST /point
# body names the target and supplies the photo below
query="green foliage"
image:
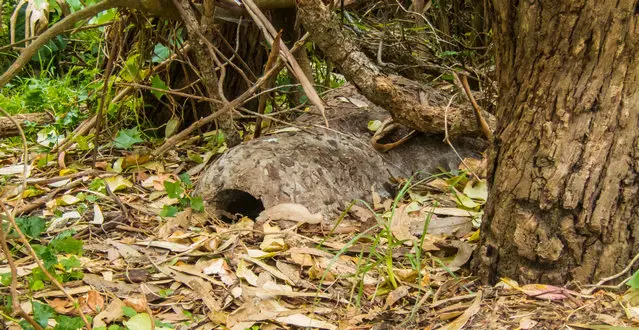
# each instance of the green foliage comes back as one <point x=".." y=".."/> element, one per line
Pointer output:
<point x="126" y="138"/>
<point x="173" y="189"/>
<point x="169" y="211"/>
<point x="634" y="280"/>
<point x="42" y="313"/>
<point x="180" y="190"/>
<point x="32" y="226"/>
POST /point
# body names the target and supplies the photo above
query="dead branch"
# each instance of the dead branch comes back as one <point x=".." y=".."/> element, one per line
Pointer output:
<point x="342" y="50"/>
<point x="169" y="143"/>
<point x="269" y="34"/>
<point x="7" y="128"/>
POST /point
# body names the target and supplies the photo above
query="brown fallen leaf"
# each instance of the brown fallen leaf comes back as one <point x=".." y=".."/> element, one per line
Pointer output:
<point x="291" y="212"/>
<point x="459" y="322"/>
<point x="113" y="312"/>
<point x="137" y="302"/>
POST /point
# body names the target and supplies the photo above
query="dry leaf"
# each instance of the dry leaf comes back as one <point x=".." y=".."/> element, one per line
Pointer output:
<point x="290" y="212"/>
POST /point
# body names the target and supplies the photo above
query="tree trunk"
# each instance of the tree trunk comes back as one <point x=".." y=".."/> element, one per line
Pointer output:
<point x="563" y="200"/>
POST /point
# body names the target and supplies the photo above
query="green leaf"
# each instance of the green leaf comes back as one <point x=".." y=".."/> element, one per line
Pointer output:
<point x="128" y="311"/>
<point x="127" y="138"/>
<point x="70" y="263"/>
<point x="185" y="178"/>
<point x="374" y="125"/>
<point x="157" y="82"/>
<point x="67" y="245"/>
<point x="173" y="189"/>
<point x="46" y="254"/>
<point x="160" y="53"/>
<point x="98" y="185"/>
<point x="68" y="323"/>
<point x="31" y="226"/>
<point x="197" y="204"/>
<point x="476" y="190"/>
<point x="42" y="313"/>
<point x="105" y="17"/>
<point x="168" y="211"/>
<point x="634" y="280"/>
<point x="5" y="279"/>
<point x="131" y="70"/>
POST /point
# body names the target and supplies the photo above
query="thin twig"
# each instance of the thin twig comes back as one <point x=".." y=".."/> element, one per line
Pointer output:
<point x="480" y="118"/>
<point x="57" y="28"/>
<point x="447" y="139"/>
<point x="15" y="299"/>
<point x="115" y="52"/>
<point x="612" y="277"/>
<point x="46" y="272"/>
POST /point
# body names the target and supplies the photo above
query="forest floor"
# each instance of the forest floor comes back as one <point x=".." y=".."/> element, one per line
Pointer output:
<point x="130" y="239"/>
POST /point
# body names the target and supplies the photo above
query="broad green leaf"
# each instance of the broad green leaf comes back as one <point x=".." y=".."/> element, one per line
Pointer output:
<point x="476" y="190"/>
<point x="31" y="226"/>
<point x="194" y="156"/>
<point x="160" y="53"/>
<point x="168" y="211"/>
<point x="68" y="323"/>
<point x="173" y="189"/>
<point x="42" y="313"/>
<point x="67" y="245"/>
<point x="634" y="280"/>
<point x="127" y="138"/>
<point x="185" y="178"/>
<point x="197" y="204"/>
<point x="157" y="82"/>
<point x="128" y="311"/>
<point x="171" y="127"/>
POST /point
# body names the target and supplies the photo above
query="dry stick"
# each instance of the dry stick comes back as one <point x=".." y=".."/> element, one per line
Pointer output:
<point x="15" y="299"/>
<point x="480" y="119"/>
<point x="272" y="59"/>
<point x="172" y="92"/>
<point x="89" y="123"/>
<point x="168" y="144"/>
<point x="115" y="53"/>
<point x="53" y="280"/>
<point x="269" y="32"/>
<point x="42" y="200"/>
<point x="447" y="139"/>
<point x="25" y="40"/>
<point x="612" y="277"/>
<point x="57" y="28"/>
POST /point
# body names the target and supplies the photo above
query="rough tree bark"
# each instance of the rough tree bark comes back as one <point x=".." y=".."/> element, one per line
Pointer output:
<point x="563" y="200"/>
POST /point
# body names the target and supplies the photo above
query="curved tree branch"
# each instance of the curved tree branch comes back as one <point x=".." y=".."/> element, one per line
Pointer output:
<point x="49" y="34"/>
<point x="343" y="51"/>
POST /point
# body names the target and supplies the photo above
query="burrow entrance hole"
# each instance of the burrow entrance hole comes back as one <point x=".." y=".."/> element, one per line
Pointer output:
<point x="235" y="201"/>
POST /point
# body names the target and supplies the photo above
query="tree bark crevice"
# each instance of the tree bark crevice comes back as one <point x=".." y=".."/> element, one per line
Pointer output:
<point x="563" y="185"/>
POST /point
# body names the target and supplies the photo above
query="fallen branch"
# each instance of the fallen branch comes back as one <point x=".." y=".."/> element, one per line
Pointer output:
<point x="341" y="49"/>
<point x="7" y="128"/>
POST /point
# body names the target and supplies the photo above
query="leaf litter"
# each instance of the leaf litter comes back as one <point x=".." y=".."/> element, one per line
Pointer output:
<point x="151" y="258"/>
